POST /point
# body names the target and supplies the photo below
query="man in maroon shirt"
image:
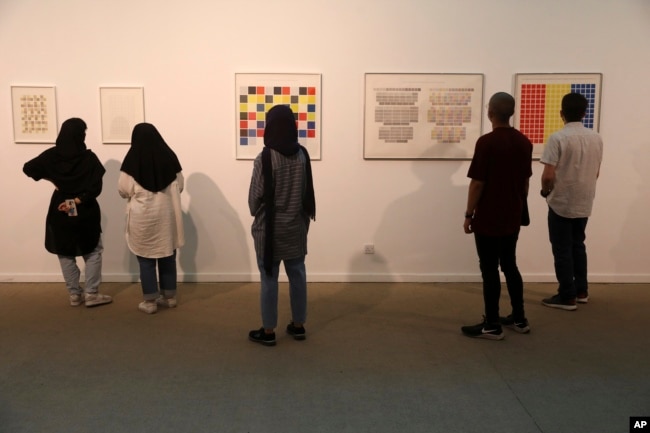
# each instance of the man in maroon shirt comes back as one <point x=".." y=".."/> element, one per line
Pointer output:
<point x="496" y="203"/>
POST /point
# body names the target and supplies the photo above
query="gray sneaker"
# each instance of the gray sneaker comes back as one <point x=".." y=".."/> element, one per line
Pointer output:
<point x="97" y="299"/>
<point x="149" y="307"/>
<point x="76" y="299"/>
<point x="166" y="302"/>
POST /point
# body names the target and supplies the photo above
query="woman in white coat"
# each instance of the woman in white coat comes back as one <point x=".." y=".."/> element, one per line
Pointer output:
<point x="151" y="180"/>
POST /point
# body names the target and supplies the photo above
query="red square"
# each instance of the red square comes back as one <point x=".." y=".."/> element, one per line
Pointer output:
<point x="311" y="133"/>
<point x="302" y="116"/>
<point x="252" y="115"/>
<point x="260" y="133"/>
<point x="243" y="124"/>
<point x="286" y="90"/>
<point x="311" y="90"/>
<point x="260" y="90"/>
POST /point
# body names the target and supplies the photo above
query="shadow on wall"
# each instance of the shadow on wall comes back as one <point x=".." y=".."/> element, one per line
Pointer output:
<point x="633" y="236"/>
<point x="440" y="247"/>
<point x="117" y="259"/>
<point x="215" y="239"/>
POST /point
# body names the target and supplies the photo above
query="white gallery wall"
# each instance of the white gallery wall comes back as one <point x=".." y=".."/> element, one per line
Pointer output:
<point x="186" y="53"/>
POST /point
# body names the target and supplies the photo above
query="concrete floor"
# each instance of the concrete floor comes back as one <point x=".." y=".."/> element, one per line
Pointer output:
<point x="379" y="357"/>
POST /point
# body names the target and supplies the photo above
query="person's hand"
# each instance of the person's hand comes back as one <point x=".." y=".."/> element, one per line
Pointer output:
<point x="467" y="225"/>
<point x="63" y="207"/>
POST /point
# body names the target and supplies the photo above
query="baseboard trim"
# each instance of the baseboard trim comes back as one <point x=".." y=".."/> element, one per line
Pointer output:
<point x="330" y="278"/>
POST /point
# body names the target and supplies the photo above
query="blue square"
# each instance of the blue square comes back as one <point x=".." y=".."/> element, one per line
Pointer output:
<point x="302" y="133"/>
<point x="311" y="108"/>
<point x="260" y="108"/>
<point x="260" y="124"/>
<point x="243" y="141"/>
<point x="311" y="125"/>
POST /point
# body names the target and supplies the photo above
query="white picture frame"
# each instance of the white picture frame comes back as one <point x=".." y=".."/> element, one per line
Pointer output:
<point x="256" y="93"/>
<point x="121" y="109"/>
<point x="34" y="114"/>
<point x="422" y="115"/>
<point x="538" y="101"/>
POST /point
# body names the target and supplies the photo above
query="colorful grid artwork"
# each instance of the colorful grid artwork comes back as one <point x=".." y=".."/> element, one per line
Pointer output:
<point x="256" y="101"/>
<point x="256" y="97"/>
<point x="539" y="100"/>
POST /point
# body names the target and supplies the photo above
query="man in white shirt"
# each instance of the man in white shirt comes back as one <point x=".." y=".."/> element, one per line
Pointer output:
<point x="571" y="159"/>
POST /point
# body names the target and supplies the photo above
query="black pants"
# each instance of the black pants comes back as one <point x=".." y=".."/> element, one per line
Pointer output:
<point x="567" y="236"/>
<point x="492" y="252"/>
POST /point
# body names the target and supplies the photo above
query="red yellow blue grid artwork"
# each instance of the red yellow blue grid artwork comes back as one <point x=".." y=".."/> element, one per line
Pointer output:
<point x="258" y="93"/>
<point x="539" y="101"/>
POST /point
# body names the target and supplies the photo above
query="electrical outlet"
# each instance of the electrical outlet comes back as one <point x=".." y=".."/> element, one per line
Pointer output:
<point x="369" y="249"/>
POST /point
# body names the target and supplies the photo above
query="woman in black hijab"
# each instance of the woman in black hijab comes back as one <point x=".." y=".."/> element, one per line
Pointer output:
<point x="151" y="180"/>
<point x="281" y="198"/>
<point x="73" y="223"/>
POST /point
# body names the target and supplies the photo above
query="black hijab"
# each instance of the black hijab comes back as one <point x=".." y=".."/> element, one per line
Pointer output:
<point x="69" y="165"/>
<point x="281" y="134"/>
<point x="151" y="162"/>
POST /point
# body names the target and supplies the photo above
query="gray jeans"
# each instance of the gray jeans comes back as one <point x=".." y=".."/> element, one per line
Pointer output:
<point x="93" y="271"/>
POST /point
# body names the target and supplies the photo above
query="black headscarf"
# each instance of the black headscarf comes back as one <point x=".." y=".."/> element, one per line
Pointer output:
<point x="151" y="162"/>
<point x="69" y="165"/>
<point x="281" y="134"/>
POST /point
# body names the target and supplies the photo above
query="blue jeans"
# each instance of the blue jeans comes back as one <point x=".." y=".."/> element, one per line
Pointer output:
<point x="567" y="236"/>
<point x="295" y="269"/>
<point x="492" y="252"/>
<point x="93" y="271"/>
<point x="166" y="274"/>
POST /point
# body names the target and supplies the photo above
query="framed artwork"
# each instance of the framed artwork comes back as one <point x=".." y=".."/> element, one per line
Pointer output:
<point x="538" y="99"/>
<point x="34" y="114"/>
<point x="256" y="94"/>
<point x="121" y="108"/>
<point x="422" y="116"/>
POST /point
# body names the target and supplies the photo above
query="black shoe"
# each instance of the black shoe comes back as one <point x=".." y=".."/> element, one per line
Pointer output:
<point x="520" y="326"/>
<point x="298" y="332"/>
<point x="562" y="304"/>
<point x="259" y="336"/>
<point x="484" y="330"/>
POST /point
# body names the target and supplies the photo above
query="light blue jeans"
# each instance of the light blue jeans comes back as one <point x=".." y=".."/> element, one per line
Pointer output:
<point x="93" y="272"/>
<point x="166" y="275"/>
<point x="295" y="269"/>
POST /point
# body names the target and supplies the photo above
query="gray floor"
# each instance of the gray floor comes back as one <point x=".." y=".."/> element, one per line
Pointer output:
<point x="378" y="358"/>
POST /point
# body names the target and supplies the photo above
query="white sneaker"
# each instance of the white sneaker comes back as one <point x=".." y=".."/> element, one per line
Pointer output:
<point x="96" y="299"/>
<point x="166" y="302"/>
<point x="76" y="299"/>
<point x="148" y="307"/>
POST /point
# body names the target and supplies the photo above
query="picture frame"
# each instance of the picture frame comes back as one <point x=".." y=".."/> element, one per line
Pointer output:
<point x="538" y="101"/>
<point x="257" y="93"/>
<point x="422" y="115"/>
<point x="121" y="109"/>
<point x="34" y="114"/>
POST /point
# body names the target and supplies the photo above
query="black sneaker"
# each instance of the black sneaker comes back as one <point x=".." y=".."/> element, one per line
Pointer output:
<point x="583" y="298"/>
<point x="520" y="326"/>
<point x="259" y="336"/>
<point x="298" y="332"/>
<point x="563" y="304"/>
<point x="484" y="330"/>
